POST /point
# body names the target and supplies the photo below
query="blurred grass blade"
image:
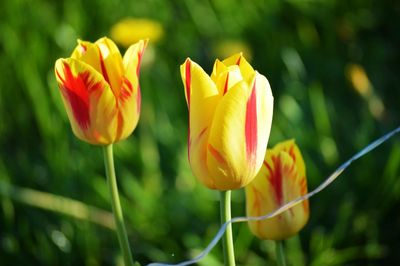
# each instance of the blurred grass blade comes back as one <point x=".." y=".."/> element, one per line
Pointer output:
<point x="59" y="204"/>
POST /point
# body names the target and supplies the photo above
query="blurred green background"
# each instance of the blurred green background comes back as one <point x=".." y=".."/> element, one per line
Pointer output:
<point x="334" y="71"/>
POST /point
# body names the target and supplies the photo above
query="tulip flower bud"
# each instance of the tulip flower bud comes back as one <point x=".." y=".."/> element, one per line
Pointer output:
<point x="282" y="178"/>
<point x="100" y="90"/>
<point x="230" y="115"/>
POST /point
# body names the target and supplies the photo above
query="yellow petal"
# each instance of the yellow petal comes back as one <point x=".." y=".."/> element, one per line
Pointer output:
<point x="290" y="147"/>
<point x="131" y="62"/>
<point x="89" y="53"/>
<point x="278" y="182"/>
<point x="129" y="99"/>
<point x="218" y="68"/>
<point x="245" y="68"/>
<point x="89" y="101"/>
<point x="202" y="97"/>
<point x="111" y="63"/>
<point x="225" y="77"/>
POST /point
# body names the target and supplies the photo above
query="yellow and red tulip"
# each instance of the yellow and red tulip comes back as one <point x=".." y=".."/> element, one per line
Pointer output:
<point x="230" y="115"/>
<point x="282" y="178"/>
<point x="100" y="90"/>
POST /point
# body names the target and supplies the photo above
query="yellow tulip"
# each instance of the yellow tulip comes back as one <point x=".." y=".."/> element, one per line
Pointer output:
<point x="230" y="115"/>
<point x="281" y="179"/>
<point x="100" y="90"/>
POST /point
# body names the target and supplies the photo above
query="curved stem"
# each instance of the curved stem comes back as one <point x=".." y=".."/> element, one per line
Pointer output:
<point x="116" y="205"/>
<point x="280" y="254"/>
<point x="227" y="241"/>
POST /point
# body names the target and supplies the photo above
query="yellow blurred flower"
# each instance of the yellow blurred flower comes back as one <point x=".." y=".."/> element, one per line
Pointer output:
<point x="281" y="179"/>
<point x="225" y="48"/>
<point x="130" y="30"/>
<point x="359" y="79"/>
<point x="361" y="83"/>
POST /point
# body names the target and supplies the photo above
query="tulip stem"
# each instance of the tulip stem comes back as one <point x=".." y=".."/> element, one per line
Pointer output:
<point x="116" y="205"/>
<point x="280" y="254"/>
<point x="227" y="241"/>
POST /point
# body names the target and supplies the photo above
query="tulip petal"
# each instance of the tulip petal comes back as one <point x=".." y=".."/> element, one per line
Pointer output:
<point x="239" y="133"/>
<point x="245" y="68"/>
<point x="89" y="53"/>
<point x="225" y="77"/>
<point x="131" y="61"/>
<point x="89" y="101"/>
<point x="202" y="97"/>
<point x="129" y="98"/>
<point x="111" y="64"/>
<point x="291" y="148"/>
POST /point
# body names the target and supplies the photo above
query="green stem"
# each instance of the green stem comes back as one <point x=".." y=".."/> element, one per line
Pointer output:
<point x="227" y="241"/>
<point x="116" y="205"/>
<point x="280" y="254"/>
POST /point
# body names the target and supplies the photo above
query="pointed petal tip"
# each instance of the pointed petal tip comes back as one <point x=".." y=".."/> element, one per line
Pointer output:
<point x="187" y="61"/>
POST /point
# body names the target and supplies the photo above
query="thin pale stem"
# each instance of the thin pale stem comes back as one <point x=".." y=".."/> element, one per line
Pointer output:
<point x="227" y="241"/>
<point x="116" y="205"/>
<point x="280" y="254"/>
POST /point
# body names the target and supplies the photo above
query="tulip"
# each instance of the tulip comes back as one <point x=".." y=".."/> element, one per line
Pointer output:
<point x="230" y="115"/>
<point x="281" y="179"/>
<point x="100" y="90"/>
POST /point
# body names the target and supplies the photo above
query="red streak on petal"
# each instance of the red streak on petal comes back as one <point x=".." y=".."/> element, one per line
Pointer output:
<point x="238" y="61"/>
<point x="257" y="202"/>
<point x="139" y="94"/>
<point x="201" y="134"/>
<point x="216" y="154"/>
<point x="126" y="89"/>
<point x="251" y="127"/>
<point x="76" y="91"/>
<point x="226" y="84"/>
<point x="140" y="54"/>
<point x="303" y="185"/>
<point x="103" y="68"/>
<point x="291" y="153"/>
<point x="83" y="48"/>
<point x="275" y="178"/>
<point x="188" y="82"/>
<point x="187" y="85"/>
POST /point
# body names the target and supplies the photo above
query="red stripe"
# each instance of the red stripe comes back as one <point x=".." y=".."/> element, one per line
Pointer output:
<point x="201" y="134"/>
<point x="238" y="61"/>
<point x="187" y="85"/>
<point x="83" y="47"/>
<point x="226" y="84"/>
<point x="257" y="202"/>
<point x="216" y="154"/>
<point x="139" y="94"/>
<point x="276" y="178"/>
<point x="103" y="68"/>
<point x="126" y="89"/>
<point x="291" y="152"/>
<point x="140" y="54"/>
<point x="251" y="129"/>
<point x="76" y="91"/>
<point x="188" y="82"/>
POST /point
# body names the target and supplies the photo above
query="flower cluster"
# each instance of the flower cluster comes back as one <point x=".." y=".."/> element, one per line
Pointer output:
<point x="230" y="117"/>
